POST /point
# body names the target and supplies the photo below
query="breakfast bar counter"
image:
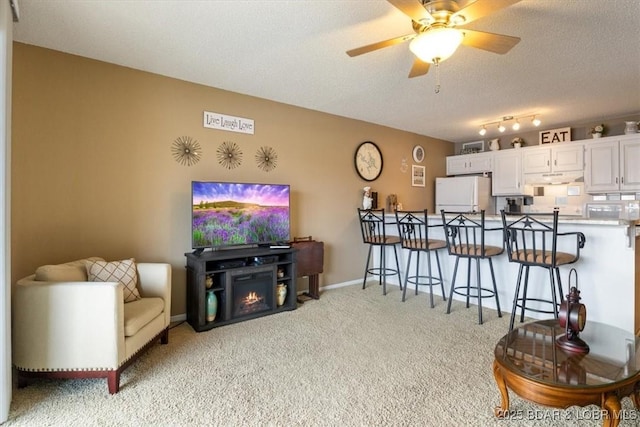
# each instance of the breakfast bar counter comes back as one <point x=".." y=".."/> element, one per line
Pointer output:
<point x="608" y="271"/>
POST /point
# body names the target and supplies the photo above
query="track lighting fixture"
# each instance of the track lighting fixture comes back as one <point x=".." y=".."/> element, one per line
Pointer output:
<point x="515" y="126"/>
<point x="535" y="121"/>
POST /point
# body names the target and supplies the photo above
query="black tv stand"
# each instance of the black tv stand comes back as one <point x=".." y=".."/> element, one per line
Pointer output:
<point x="222" y="271"/>
<point x="198" y="251"/>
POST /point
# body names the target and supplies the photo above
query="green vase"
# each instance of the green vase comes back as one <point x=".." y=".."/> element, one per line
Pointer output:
<point x="212" y="306"/>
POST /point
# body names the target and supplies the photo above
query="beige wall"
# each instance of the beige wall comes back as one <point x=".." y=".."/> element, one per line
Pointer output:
<point x="93" y="172"/>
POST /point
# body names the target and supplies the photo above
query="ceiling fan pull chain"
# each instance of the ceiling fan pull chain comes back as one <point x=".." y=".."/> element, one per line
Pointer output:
<point x="437" y="63"/>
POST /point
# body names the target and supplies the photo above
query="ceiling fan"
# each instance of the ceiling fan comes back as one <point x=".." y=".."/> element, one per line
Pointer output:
<point x="437" y="34"/>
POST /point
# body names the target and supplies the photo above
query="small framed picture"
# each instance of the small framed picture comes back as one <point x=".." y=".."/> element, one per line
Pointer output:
<point x="472" y="147"/>
<point x="418" y="154"/>
<point x="417" y="176"/>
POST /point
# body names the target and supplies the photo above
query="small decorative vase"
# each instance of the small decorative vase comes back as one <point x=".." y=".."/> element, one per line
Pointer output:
<point x="208" y="282"/>
<point x="596" y="135"/>
<point x="281" y="293"/>
<point x="212" y="306"/>
<point x="516" y="145"/>
<point x="494" y="144"/>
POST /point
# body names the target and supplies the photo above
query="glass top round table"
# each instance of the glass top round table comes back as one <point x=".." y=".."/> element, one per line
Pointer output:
<point x="528" y="361"/>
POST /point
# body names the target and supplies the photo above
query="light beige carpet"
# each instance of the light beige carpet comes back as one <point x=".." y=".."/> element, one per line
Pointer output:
<point x="352" y="358"/>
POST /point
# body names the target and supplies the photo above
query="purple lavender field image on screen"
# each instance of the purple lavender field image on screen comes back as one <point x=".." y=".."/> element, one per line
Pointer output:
<point x="226" y="214"/>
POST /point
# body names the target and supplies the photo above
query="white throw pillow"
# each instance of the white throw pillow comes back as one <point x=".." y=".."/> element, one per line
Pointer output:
<point x="73" y="271"/>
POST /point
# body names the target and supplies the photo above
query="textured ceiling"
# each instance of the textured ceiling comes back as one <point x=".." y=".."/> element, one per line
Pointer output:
<point x="578" y="60"/>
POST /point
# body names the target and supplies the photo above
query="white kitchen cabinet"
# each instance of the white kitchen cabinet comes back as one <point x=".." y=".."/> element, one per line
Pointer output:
<point x="507" y="173"/>
<point x="469" y="164"/>
<point x="555" y="158"/>
<point x="630" y="164"/>
<point x="611" y="164"/>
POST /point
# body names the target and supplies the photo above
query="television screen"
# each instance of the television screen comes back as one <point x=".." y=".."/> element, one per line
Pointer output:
<point x="229" y="213"/>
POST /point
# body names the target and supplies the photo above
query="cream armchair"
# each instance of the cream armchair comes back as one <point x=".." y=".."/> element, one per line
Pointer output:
<point x="79" y="329"/>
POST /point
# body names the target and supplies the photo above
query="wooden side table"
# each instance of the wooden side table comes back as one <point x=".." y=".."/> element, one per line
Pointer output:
<point x="528" y="361"/>
<point x="309" y="263"/>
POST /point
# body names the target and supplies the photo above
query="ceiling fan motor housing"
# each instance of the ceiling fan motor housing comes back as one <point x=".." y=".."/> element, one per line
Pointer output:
<point x="441" y="10"/>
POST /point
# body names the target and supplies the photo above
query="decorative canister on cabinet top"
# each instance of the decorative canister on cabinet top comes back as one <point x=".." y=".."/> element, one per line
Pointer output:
<point x="494" y="144"/>
<point x="630" y="127"/>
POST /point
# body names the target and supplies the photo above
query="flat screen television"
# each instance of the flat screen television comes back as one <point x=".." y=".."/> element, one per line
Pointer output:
<point x="226" y="214"/>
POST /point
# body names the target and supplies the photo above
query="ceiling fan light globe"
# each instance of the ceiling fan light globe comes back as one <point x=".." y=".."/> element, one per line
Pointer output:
<point x="436" y="45"/>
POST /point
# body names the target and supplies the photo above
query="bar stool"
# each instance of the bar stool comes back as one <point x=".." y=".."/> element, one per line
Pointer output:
<point x="372" y="225"/>
<point x="465" y="237"/>
<point x="531" y="241"/>
<point x="413" y="228"/>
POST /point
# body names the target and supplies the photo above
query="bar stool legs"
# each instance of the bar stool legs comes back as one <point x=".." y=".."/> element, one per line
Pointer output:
<point x="488" y="293"/>
<point x="521" y="301"/>
<point x="417" y="278"/>
<point x="383" y="271"/>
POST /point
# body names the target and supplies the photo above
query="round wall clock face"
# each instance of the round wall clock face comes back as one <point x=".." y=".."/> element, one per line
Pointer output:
<point x="418" y="154"/>
<point x="368" y="161"/>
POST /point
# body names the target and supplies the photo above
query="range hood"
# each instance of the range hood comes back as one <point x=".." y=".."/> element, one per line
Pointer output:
<point x="553" y="178"/>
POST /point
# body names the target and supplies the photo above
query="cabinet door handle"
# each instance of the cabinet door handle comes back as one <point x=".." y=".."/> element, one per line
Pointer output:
<point x="622" y="180"/>
<point x="616" y="180"/>
<point x="547" y="162"/>
<point x="555" y="162"/>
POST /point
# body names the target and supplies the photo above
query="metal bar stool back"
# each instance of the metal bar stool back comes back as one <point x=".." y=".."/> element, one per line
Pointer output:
<point x="413" y="228"/>
<point x="532" y="241"/>
<point x="373" y="227"/>
<point x="465" y="238"/>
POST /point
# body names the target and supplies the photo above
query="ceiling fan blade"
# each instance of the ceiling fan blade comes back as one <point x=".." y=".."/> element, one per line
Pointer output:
<point x="496" y="43"/>
<point x="419" y="68"/>
<point x="414" y="10"/>
<point x="481" y="8"/>
<point x="379" y="45"/>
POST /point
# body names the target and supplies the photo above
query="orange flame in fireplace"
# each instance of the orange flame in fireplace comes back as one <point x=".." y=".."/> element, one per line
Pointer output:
<point x="252" y="298"/>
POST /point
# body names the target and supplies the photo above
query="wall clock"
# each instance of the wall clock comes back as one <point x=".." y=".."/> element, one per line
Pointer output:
<point x="368" y="161"/>
<point x="418" y="154"/>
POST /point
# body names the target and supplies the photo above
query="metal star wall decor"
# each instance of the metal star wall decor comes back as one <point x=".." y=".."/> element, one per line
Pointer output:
<point x="229" y="155"/>
<point x="186" y="150"/>
<point x="267" y="158"/>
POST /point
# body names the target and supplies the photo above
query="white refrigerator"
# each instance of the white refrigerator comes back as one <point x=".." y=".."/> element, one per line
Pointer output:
<point x="464" y="194"/>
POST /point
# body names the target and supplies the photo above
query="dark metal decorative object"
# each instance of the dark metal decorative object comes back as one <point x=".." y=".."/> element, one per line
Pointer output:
<point x="186" y="151"/>
<point x="229" y="155"/>
<point x="572" y="316"/>
<point x="267" y="158"/>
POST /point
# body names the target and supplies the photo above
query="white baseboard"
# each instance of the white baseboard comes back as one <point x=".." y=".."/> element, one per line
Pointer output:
<point x="179" y="318"/>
